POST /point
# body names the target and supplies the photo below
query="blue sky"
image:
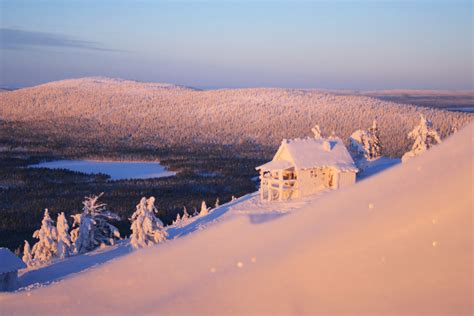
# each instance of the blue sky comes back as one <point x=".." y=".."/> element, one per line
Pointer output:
<point x="308" y="44"/>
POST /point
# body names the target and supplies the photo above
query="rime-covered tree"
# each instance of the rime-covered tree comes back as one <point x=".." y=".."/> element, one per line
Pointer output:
<point x="217" y="204"/>
<point x="177" y="221"/>
<point x="317" y="132"/>
<point x="359" y="147"/>
<point x="375" y="150"/>
<point x="185" y="214"/>
<point x="47" y="245"/>
<point x="92" y="226"/>
<point x="27" y="256"/>
<point x="204" y="209"/>
<point x="365" y="145"/>
<point x="65" y="248"/>
<point x="146" y="228"/>
<point x="424" y="137"/>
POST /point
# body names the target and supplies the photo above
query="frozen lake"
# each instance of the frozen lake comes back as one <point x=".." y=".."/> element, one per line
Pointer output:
<point x="117" y="170"/>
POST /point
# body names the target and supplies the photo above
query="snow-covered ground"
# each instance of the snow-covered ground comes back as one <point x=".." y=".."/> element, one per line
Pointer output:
<point x="117" y="170"/>
<point x="399" y="242"/>
<point x="375" y="166"/>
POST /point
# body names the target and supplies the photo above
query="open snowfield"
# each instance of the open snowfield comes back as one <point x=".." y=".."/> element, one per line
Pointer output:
<point x="399" y="242"/>
<point x="117" y="170"/>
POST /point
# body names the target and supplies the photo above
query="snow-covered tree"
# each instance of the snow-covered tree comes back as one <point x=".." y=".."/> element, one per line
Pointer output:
<point x="375" y="150"/>
<point x="195" y="213"/>
<point x="146" y="228"/>
<point x="27" y="256"/>
<point x="424" y="137"/>
<point x="204" y="209"/>
<point x="217" y="204"/>
<point x="92" y="226"/>
<point x="177" y="221"/>
<point x="359" y="147"/>
<point x="46" y="246"/>
<point x="365" y="145"/>
<point x="185" y="214"/>
<point x="317" y="132"/>
<point x="65" y="248"/>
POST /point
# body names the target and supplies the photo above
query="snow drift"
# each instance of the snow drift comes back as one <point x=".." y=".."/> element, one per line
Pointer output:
<point x="397" y="243"/>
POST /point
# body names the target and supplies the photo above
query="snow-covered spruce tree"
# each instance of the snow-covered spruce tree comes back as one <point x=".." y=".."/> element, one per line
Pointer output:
<point x="185" y="214"/>
<point x="375" y="150"/>
<point x="177" y="221"/>
<point x="47" y="245"/>
<point x="146" y="228"/>
<point x="217" y="204"/>
<point x="204" y="209"/>
<point x="27" y="256"/>
<point x="317" y="132"/>
<point x="424" y="137"/>
<point x="92" y="226"/>
<point x="359" y="148"/>
<point x="65" y="248"/>
<point x="365" y="146"/>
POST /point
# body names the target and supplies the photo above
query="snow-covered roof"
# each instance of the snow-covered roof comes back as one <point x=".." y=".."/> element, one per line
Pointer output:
<point x="9" y="262"/>
<point x="311" y="152"/>
<point x="276" y="165"/>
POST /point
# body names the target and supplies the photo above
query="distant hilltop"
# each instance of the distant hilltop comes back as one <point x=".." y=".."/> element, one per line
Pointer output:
<point x="117" y="111"/>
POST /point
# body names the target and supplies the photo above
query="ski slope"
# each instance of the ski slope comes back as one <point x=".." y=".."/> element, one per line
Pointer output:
<point x="399" y="242"/>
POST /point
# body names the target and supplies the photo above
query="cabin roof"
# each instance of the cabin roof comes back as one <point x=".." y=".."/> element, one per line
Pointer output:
<point x="310" y="153"/>
<point x="276" y="165"/>
<point x="9" y="262"/>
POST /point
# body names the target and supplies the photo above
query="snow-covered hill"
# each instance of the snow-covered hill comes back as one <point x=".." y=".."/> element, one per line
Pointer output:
<point x="396" y="243"/>
<point x="150" y="114"/>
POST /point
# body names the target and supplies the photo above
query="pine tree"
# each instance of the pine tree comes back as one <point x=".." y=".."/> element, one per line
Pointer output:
<point x="424" y="137"/>
<point x="92" y="226"/>
<point x="46" y="246"/>
<point x="217" y="204"/>
<point x="204" y="209"/>
<point x="27" y="256"/>
<point x="317" y="132"/>
<point x="64" y="240"/>
<point x="146" y="228"/>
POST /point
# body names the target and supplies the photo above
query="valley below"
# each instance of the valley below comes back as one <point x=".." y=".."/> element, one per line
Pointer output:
<point x="210" y="141"/>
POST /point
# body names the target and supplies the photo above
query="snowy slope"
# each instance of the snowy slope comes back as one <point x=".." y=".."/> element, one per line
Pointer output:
<point x="396" y="243"/>
<point x="152" y="115"/>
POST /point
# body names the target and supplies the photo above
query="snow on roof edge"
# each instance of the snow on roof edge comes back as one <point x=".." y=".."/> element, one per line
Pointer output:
<point x="9" y="262"/>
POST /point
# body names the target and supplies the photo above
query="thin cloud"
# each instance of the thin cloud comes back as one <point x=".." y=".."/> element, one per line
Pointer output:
<point x="21" y="39"/>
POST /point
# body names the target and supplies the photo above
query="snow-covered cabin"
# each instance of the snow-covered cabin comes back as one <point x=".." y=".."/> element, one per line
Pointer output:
<point x="305" y="166"/>
<point x="9" y="266"/>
